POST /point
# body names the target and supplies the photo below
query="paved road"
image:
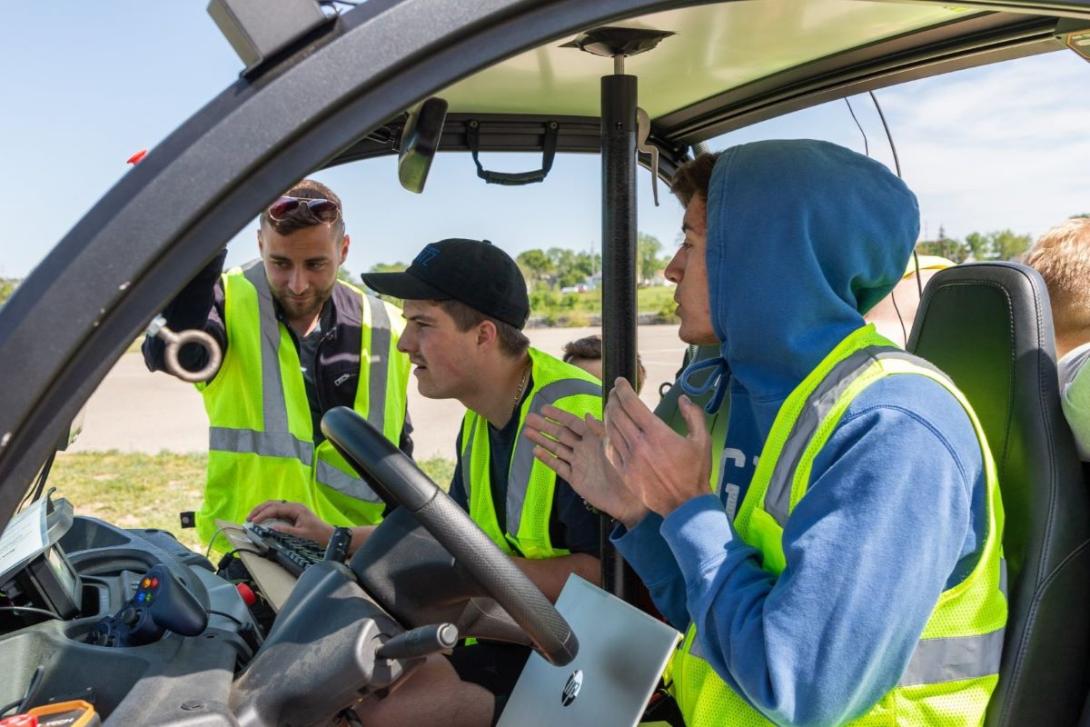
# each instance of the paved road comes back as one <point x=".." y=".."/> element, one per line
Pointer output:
<point x="137" y="411"/>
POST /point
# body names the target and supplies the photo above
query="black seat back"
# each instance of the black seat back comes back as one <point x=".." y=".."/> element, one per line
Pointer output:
<point x="989" y="327"/>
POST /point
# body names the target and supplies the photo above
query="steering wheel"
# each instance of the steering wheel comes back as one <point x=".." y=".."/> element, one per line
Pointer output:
<point x="391" y="471"/>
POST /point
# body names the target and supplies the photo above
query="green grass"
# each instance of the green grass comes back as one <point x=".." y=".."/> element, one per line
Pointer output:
<point x="148" y="491"/>
<point x="575" y="309"/>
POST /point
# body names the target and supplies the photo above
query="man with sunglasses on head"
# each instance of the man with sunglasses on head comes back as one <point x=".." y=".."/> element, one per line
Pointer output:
<point x="296" y="342"/>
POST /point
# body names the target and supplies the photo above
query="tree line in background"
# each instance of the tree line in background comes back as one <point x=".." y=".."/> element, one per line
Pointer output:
<point x="559" y="268"/>
<point x="999" y="245"/>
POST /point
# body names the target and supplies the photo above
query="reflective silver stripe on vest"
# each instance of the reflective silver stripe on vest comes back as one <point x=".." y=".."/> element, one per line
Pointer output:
<point x="953" y="659"/>
<point x="273" y="407"/>
<point x="379" y="365"/>
<point x="522" y="460"/>
<point x="344" y="483"/>
<point x="266" y="444"/>
<point x="937" y="660"/>
<point x="820" y="402"/>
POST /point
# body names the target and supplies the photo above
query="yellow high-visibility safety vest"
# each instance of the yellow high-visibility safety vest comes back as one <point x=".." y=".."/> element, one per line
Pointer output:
<point x="530" y="484"/>
<point x="261" y="438"/>
<point x="954" y="668"/>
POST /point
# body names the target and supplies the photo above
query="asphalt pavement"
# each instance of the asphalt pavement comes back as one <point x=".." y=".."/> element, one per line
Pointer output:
<point x="134" y="410"/>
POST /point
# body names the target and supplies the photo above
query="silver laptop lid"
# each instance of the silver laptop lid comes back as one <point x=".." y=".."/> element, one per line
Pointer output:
<point x="622" y="652"/>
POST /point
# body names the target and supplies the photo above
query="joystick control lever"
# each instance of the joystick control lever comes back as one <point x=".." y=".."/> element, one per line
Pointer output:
<point x="420" y="642"/>
<point x="161" y="603"/>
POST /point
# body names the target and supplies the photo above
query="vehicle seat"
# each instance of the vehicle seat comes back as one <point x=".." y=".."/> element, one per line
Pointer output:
<point x="989" y="327"/>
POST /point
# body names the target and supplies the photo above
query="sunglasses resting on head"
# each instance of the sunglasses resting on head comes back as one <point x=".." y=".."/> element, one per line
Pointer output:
<point x="323" y="210"/>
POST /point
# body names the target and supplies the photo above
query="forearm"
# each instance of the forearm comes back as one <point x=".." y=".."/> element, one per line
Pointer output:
<point x="644" y="549"/>
<point x="359" y="537"/>
<point x="550" y="574"/>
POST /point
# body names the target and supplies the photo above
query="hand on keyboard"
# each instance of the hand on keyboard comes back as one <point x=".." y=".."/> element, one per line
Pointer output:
<point x="292" y="519"/>
<point x="294" y="554"/>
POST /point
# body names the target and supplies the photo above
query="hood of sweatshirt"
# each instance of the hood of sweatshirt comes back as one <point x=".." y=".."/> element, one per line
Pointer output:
<point x="803" y="238"/>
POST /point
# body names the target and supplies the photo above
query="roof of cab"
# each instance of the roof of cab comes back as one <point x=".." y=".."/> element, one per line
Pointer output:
<point x="730" y="64"/>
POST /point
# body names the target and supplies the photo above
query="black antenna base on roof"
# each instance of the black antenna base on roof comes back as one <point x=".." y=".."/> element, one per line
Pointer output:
<point x="611" y="42"/>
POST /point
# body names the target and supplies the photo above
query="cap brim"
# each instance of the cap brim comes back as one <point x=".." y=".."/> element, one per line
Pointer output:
<point x="402" y="285"/>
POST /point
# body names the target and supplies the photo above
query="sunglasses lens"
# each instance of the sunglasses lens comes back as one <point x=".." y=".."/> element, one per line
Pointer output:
<point x="324" y="210"/>
<point x="282" y="207"/>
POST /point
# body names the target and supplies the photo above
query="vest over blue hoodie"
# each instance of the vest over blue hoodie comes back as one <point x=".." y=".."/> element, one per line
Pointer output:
<point x="803" y="238"/>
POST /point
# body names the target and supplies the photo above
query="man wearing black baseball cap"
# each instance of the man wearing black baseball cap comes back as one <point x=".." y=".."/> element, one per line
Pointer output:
<point x="465" y="307"/>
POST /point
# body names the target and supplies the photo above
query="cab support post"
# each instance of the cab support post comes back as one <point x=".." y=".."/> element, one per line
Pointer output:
<point x="618" y="270"/>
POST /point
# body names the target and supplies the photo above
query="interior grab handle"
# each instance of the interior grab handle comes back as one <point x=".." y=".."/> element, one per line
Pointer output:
<point x="643" y="131"/>
<point x="514" y="179"/>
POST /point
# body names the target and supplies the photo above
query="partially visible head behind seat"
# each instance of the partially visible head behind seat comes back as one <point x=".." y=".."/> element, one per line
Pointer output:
<point x="1062" y="257"/>
<point x="586" y="353"/>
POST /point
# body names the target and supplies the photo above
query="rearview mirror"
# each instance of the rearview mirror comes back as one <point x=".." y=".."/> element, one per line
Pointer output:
<point x="419" y="142"/>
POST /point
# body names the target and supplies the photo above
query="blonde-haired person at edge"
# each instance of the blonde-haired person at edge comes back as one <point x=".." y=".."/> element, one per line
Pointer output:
<point x="894" y="314"/>
<point x="1062" y="257"/>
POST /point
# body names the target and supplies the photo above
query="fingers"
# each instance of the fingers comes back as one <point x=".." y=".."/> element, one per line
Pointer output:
<point x="563" y="418"/>
<point x="629" y="400"/>
<point x="612" y="456"/>
<point x="552" y="446"/>
<point x="595" y="426"/>
<point x="538" y="425"/>
<point x="557" y="465"/>
<point x="694" y="419"/>
<point x="266" y="510"/>
<point x="621" y="431"/>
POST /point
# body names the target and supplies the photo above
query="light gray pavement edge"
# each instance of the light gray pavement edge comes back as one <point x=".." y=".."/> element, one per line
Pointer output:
<point x="134" y="410"/>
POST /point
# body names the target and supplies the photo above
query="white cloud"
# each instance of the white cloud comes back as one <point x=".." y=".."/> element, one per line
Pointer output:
<point x="997" y="147"/>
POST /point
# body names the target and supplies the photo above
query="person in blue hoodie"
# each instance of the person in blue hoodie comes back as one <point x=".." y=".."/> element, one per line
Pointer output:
<point x="856" y="573"/>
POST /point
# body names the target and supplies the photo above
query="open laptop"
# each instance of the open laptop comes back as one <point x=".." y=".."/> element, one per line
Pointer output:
<point x="622" y="652"/>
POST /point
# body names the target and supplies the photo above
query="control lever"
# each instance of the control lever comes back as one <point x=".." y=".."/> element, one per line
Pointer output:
<point x="420" y="642"/>
<point x="160" y="604"/>
<point x="174" y="342"/>
<point x="643" y="131"/>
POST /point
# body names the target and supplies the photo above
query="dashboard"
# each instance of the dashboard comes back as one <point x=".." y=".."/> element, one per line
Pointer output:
<point x="93" y="574"/>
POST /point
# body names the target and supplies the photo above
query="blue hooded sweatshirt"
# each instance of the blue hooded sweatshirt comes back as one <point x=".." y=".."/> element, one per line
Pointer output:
<point x="803" y="238"/>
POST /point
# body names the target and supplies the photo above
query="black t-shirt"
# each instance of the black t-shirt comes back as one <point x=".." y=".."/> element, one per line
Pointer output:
<point x="308" y="355"/>
<point x="572" y="525"/>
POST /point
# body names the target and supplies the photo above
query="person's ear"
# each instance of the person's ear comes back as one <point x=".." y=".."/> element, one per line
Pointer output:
<point x="260" y="244"/>
<point x="344" y="249"/>
<point x="486" y="333"/>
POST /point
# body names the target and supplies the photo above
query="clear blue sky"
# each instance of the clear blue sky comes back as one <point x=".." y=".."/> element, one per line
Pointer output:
<point x="87" y="84"/>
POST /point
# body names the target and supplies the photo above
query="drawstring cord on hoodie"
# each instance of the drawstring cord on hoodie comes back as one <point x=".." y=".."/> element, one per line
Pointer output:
<point x="718" y="377"/>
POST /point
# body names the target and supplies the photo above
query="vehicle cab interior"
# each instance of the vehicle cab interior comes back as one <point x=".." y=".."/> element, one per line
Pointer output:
<point x="147" y="629"/>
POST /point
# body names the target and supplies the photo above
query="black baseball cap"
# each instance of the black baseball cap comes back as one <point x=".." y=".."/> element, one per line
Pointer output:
<point x="474" y="272"/>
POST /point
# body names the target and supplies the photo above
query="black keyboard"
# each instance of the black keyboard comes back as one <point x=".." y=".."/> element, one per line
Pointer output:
<point x="294" y="554"/>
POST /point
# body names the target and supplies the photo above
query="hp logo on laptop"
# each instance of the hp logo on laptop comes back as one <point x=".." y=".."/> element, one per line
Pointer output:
<point x="571" y="689"/>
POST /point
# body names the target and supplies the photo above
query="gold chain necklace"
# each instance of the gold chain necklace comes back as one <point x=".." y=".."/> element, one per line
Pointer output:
<point x="522" y="385"/>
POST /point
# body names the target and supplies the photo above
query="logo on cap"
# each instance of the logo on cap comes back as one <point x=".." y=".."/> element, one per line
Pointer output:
<point x="429" y="253"/>
<point x="571" y="689"/>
